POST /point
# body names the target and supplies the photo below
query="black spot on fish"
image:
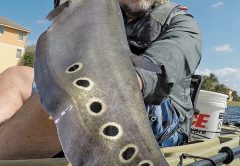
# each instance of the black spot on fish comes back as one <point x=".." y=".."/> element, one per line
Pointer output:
<point x="128" y="153"/>
<point x="73" y="68"/>
<point x="145" y="164"/>
<point x="96" y="107"/>
<point x="111" y="131"/>
<point x="83" y="83"/>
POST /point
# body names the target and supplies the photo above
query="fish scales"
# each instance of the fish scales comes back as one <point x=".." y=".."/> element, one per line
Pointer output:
<point x="88" y="84"/>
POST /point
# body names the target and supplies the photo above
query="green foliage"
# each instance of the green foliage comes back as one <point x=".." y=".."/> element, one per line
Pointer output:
<point x="221" y="89"/>
<point x="211" y="83"/>
<point x="235" y="96"/>
<point x="27" y="59"/>
<point x="213" y="77"/>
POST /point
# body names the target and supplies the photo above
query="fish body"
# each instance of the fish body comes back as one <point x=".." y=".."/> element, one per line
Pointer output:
<point x="87" y="83"/>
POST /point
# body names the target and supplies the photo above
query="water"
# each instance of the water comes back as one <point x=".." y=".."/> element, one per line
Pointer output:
<point x="232" y="115"/>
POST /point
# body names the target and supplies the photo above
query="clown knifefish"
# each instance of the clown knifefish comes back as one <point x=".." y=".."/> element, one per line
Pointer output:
<point x="87" y="83"/>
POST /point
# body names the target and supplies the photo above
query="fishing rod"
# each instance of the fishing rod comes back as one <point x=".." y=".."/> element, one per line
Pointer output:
<point x="226" y="156"/>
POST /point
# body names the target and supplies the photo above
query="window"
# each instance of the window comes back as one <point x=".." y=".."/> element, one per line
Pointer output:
<point x="20" y="36"/>
<point x="1" y="29"/>
<point x="19" y="53"/>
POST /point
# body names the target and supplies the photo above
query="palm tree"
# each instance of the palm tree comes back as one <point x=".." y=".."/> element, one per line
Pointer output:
<point x="220" y="88"/>
<point x="209" y="82"/>
<point x="213" y="78"/>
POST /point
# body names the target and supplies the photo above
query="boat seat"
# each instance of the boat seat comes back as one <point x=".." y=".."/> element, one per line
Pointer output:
<point x="195" y="88"/>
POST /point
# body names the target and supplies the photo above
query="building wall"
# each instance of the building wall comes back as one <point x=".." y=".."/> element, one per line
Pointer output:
<point x="8" y="56"/>
<point x="9" y="43"/>
<point x="230" y="95"/>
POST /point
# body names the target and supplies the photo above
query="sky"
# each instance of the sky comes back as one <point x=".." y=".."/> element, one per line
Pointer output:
<point x="219" y="22"/>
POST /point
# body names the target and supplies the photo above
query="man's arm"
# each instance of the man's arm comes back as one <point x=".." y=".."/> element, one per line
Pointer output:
<point x="177" y="51"/>
<point x="15" y="89"/>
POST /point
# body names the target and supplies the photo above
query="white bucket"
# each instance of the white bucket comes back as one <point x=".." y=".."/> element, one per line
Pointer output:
<point x="208" y="123"/>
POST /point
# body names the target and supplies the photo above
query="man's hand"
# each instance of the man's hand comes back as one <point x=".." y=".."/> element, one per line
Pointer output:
<point x="140" y="81"/>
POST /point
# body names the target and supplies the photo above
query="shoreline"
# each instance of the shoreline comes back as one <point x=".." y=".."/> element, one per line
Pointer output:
<point x="233" y="103"/>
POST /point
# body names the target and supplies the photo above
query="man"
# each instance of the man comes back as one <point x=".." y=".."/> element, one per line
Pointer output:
<point x="171" y="44"/>
<point x="175" y="46"/>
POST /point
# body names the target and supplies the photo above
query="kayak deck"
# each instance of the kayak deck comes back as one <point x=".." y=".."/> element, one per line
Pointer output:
<point x="203" y="148"/>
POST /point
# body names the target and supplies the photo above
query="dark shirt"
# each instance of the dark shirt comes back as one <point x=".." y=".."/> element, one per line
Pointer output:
<point x="175" y="47"/>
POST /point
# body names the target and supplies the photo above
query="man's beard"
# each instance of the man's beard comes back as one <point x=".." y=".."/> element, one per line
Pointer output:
<point x="135" y="8"/>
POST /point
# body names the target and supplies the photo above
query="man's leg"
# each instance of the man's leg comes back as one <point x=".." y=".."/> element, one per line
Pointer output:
<point x="27" y="132"/>
<point x="165" y="124"/>
<point x="15" y="89"/>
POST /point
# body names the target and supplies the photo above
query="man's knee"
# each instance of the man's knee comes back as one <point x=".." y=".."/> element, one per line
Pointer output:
<point x="19" y="78"/>
<point x="19" y="71"/>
